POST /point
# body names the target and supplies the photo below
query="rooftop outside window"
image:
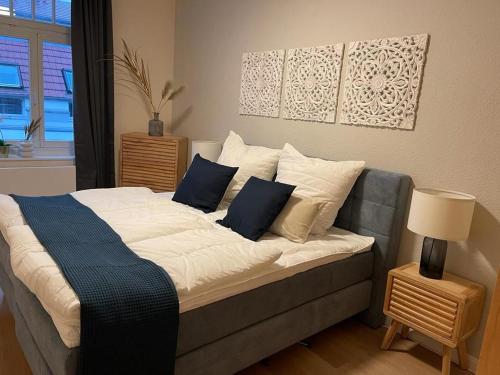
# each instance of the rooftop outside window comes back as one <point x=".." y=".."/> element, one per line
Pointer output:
<point x="10" y="76"/>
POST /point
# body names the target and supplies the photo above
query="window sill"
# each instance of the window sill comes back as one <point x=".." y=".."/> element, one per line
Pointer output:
<point x="14" y="161"/>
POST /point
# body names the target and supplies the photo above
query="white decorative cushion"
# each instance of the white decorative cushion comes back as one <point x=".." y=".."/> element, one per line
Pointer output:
<point x="330" y="181"/>
<point x="255" y="161"/>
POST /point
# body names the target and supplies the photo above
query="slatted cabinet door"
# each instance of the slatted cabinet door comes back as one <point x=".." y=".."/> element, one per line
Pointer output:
<point x="434" y="314"/>
<point x="158" y="163"/>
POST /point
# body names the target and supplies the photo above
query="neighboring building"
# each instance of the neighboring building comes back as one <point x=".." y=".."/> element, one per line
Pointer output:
<point x="15" y="88"/>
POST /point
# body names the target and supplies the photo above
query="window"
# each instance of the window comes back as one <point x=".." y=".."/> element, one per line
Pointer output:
<point x="10" y="76"/>
<point x="57" y="99"/>
<point x="36" y="72"/>
<point x="49" y="11"/>
<point x="22" y="9"/>
<point x="43" y="11"/>
<point x="15" y="107"/>
<point x="11" y="106"/>
<point x="68" y="80"/>
<point x="4" y="8"/>
<point x="63" y="12"/>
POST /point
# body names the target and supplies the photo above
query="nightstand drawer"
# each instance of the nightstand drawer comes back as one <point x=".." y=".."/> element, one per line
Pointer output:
<point x="423" y="309"/>
<point x="140" y="152"/>
<point x="156" y="183"/>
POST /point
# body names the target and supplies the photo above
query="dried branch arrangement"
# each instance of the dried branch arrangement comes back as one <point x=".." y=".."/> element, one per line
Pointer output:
<point x="30" y="129"/>
<point x="139" y="77"/>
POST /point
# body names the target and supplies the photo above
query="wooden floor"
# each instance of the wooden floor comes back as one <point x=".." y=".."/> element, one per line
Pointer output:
<point x="349" y="348"/>
<point x="12" y="360"/>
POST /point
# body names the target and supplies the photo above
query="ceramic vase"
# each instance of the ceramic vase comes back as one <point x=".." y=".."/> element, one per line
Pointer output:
<point x="27" y="149"/>
<point x="155" y="126"/>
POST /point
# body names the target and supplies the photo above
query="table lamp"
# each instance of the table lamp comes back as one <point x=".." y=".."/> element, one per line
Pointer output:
<point x="209" y="150"/>
<point x="440" y="216"/>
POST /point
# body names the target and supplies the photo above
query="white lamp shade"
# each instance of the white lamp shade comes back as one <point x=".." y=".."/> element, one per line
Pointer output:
<point x="207" y="149"/>
<point x="441" y="214"/>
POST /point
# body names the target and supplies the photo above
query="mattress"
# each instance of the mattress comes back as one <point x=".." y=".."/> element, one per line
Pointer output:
<point x="206" y="261"/>
<point x="217" y="322"/>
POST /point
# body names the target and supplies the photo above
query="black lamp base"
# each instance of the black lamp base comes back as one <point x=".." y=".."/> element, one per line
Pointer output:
<point x="433" y="258"/>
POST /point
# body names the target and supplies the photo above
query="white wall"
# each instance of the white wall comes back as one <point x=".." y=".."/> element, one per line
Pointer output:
<point x="149" y="27"/>
<point x="37" y="180"/>
<point x="456" y="141"/>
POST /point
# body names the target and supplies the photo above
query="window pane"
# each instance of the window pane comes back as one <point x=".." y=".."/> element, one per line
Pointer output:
<point x="63" y="12"/>
<point x="68" y="80"/>
<point x="43" y="10"/>
<point x="10" y="76"/>
<point x="22" y="9"/>
<point x="58" y="101"/>
<point x="15" y="101"/>
<point x="4" y="8"/>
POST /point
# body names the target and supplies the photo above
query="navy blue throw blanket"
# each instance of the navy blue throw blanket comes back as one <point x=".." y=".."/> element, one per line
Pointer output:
<point x="129" y="305"/>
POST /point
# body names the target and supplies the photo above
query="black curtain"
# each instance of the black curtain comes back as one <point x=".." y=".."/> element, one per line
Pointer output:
<point x="93" y="94"/>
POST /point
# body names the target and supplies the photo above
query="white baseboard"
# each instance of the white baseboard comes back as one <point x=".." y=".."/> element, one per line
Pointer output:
<point x="437" y="348"/>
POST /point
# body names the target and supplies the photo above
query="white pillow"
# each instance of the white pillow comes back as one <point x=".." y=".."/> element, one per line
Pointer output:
<point x="255" y="161"/>
<point x="330" y="181"/>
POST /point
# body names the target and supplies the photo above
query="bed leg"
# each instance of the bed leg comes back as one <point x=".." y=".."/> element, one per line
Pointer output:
<point x="305" y="343"/>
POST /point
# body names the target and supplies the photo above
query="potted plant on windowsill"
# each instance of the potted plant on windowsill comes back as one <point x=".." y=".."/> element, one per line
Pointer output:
<point x="27" y="144"/>
<point x="4" y="147"/>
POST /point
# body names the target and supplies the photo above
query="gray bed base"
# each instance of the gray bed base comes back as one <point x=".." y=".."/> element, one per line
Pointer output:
<point x="227" y="336"/>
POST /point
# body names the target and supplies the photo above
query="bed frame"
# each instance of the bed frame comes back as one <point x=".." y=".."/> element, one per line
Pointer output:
<point x="227" y="336"/>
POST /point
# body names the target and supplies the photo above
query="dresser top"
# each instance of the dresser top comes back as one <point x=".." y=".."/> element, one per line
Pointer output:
<point x="451" y="284"/>
<point x="149" y="137"/>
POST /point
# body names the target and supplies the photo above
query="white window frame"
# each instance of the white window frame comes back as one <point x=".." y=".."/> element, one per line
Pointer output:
<point x="36" y="33"/>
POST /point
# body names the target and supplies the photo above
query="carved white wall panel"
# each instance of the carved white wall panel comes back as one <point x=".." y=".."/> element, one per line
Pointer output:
<point x="261" y="77"/>
<point x="312" y="83"/>
<point x="383" y="81"/>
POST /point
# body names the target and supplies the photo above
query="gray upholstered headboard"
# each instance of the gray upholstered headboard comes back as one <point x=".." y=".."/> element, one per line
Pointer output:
<point x="376" y="207"/>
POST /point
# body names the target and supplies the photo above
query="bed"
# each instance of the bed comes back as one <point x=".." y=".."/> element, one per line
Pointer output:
<point x="224" y="336"/>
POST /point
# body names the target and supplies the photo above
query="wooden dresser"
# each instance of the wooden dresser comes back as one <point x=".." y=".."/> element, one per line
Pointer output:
<point x="447" y="310"/>
<point x="158" y="163"/>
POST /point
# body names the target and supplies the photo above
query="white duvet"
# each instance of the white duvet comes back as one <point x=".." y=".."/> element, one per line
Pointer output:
<point x="199" y="255"/>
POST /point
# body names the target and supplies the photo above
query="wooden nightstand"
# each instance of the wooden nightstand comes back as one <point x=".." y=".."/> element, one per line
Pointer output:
<point x="447" y="310"/>
<point x="158" y="163"/>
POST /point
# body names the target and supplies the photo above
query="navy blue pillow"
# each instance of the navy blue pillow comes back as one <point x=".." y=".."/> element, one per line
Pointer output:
<point x="204" y="184"/>
<point x="254" y="209"/>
